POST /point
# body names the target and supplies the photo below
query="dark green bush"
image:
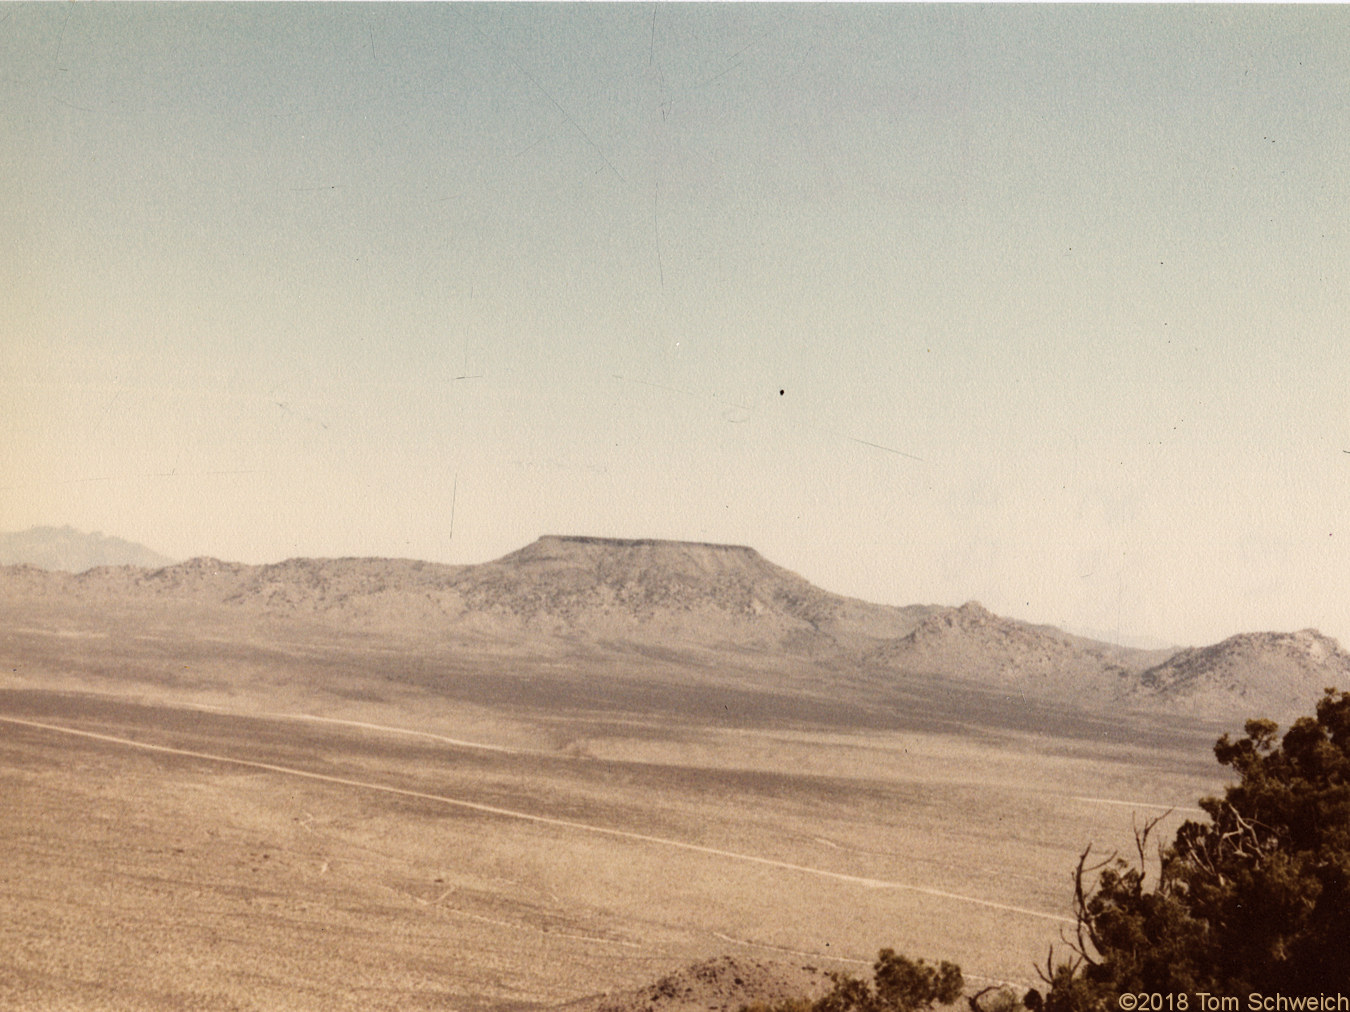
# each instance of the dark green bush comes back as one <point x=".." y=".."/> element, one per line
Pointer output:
<point x="898" y="985"/>
<point x="1256" y="899"/>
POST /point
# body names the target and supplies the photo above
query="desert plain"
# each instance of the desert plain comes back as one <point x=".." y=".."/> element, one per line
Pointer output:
<point x="215" y="803"/>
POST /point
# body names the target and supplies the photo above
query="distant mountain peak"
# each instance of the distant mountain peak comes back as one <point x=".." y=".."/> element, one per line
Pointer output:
<point x="66" y="549"/>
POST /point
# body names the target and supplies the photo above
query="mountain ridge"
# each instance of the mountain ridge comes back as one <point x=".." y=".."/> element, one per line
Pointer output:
<point x="711" y="599"/>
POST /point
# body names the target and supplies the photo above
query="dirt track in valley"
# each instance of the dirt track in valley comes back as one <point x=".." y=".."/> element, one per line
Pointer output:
<point x="869" y="883"/>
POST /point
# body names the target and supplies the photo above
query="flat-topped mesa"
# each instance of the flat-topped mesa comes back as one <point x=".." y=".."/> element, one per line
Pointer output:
<point x="652" y="554"/>
<point x="686" y="591"/>
<point x="586" y="539"/>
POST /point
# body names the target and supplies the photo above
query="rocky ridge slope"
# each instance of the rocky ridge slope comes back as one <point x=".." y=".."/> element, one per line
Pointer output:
<point x="972" y="643"/>
<point x="1250" y="671"/>
<point x="722" y="596"/>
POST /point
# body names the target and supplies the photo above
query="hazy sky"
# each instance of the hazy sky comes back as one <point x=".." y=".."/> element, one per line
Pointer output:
<point x="1042" y="306"/>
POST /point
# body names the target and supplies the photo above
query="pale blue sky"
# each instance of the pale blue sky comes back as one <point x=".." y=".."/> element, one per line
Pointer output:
<point x="1056" y="296"/>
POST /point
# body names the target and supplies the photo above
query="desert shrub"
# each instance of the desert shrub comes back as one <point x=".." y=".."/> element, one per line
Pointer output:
<point x="996" y="998"/>
<point x="786" y="1005"/>
<point x="1256" y="899"/>
<point x="898" y="985"/>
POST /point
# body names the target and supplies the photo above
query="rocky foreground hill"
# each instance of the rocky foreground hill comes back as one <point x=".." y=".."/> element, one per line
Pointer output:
<point x="724" y="984"/>
<point x="705" y="600"/>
